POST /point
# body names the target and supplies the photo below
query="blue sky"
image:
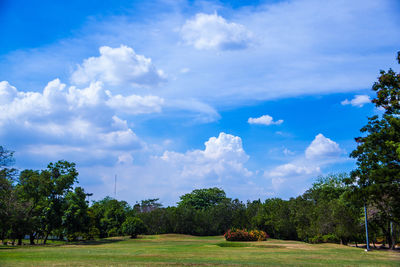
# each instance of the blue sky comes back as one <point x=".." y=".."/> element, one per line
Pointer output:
<point x="256" y="97"/>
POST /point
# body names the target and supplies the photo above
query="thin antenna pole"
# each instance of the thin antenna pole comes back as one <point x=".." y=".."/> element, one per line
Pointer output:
<point x="115" y="186"/>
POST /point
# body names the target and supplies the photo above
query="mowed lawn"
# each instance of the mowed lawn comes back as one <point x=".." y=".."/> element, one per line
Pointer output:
<point x="178" y="250"/>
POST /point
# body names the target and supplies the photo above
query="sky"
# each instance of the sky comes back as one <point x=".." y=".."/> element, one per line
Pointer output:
<point x="258" y="98"/>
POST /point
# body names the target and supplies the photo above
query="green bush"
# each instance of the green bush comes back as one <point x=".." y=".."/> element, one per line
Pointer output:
<point x="316" y="239"/>
<point x="133" y="226"/>
<point x="330" y="238"/>
<point x="93" y="233"/>
<point x="113" y="232"/>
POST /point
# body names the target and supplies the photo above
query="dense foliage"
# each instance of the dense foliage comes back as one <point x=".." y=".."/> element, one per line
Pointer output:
<point x="47" y="203"/>
<point x="376" y="181"/>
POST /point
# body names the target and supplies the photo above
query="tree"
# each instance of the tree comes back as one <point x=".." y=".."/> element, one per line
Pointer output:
<point x="147" y="205"/>
<point x="7" y="191"/>
<point x="75" y="219"/>
<point x="378" y="153"/>
<point x="203" y="198"/>
<point x="60" y="178"/>
<point x="33" y="190"/>
<point x="109" y="215"/>
<point x="133" y="226"/>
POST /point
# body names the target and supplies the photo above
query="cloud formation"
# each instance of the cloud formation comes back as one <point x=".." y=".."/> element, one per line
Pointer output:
<point x="291" y="178"/>
<point x="222" y="158"/>
<point x="73" y="117"/>
<point x="264" y="120"/>
<point x="211" y="31"/>
<point x="118" y="66"/>
<point x="357" y="101"/>
<point x="322" y="148"/>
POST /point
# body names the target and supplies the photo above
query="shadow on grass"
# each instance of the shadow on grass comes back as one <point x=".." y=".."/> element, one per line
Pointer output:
<point x="246" y="245"/>
<point x="97" y="242"/>
<point x="6" y="247"/>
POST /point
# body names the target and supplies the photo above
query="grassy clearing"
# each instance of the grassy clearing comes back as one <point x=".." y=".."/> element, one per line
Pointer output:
<point x="169" y="250"/>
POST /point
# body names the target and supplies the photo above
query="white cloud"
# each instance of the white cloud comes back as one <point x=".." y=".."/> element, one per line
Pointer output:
<point x="322" y="148"/>
<point x="118" y="66"/>
<point x="70" y="116"/>
<point x="264" y="120"/>
<point x="214" y="32"/>
<point x="222" y="158"/>
<point x="290" y="169"/>
<point x="7" y="92"/>
<point x="357" y="101"/>
<point x="135" y="104"/>
<point x="119" y="138"/>
<point x="294" y="177"/>
<point x="202" y="112"/>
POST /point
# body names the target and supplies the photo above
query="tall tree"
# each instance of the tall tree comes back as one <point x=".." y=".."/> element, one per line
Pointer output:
<point x="75" y="219"/>
<point x="60" y="177"/>
<point x="7" y="192"/>
<point x="378" y="153"/>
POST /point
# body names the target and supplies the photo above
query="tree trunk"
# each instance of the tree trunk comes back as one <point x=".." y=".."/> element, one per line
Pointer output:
<point x="19" y="241"/>
<point x="392" y="237"/>
<point x="389" y="238"/>
<point x="32" y="239"/>
<point x="3" y="238"/>
<point x="45" y="238"/>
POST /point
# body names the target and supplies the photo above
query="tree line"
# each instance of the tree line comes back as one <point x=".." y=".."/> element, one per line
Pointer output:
<point x="49" y="203"/>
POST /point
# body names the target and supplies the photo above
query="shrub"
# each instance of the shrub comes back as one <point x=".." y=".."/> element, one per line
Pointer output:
<point x="93" y="233"/>
<point x="243" y="235"/>
<point x="330" y="238"/>
<point x="113" y="232"/>
<point x="316" y="239"/>
<point x="259" y="235"/>
<point x="133" y="226"/>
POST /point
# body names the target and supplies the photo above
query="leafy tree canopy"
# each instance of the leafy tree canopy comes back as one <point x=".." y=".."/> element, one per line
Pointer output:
<point x="203" y="198"/>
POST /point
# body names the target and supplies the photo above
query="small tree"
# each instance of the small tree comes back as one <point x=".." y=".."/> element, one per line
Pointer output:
<point x="133" y="226"/>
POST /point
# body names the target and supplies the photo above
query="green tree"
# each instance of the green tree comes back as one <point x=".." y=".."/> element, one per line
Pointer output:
<point x="378" y="153"/>
<point x="147" y="205"/>
<point x="133" y="226"/>
<point x="7" y="191"/>
<point x="60" y="178"/>
<point x="203" y="198"/>
<point x="109" y="215"/>
<point x="75" y="219"/>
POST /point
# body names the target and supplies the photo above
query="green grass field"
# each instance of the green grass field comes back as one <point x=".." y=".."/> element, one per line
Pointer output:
<point x="177" y="250"/>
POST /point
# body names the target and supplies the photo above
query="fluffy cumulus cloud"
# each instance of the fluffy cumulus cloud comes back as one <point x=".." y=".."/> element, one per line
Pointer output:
<point x="357" y="101"/>
<point x="293" y="177"/>
<point x="70" y="116"/>
<point x="211" y="31"/>
<point x="322" y="148"/>
<point x="264" y="120"/>
<point x="118" y="66"/>
<point x="222" y="158"/>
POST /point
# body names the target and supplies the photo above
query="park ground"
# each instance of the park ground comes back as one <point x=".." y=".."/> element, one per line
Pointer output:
<point x="184" y="250"/>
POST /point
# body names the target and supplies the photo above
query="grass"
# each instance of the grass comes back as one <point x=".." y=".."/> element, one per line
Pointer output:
<point x="178" y="250"/>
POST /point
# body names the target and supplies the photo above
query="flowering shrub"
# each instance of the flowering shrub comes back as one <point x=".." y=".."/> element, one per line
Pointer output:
<point x="260" y="235"/>
<point x="243" y="235"/>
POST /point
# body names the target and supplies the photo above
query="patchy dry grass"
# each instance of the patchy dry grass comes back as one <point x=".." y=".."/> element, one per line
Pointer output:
<point x="179" y="250"/>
